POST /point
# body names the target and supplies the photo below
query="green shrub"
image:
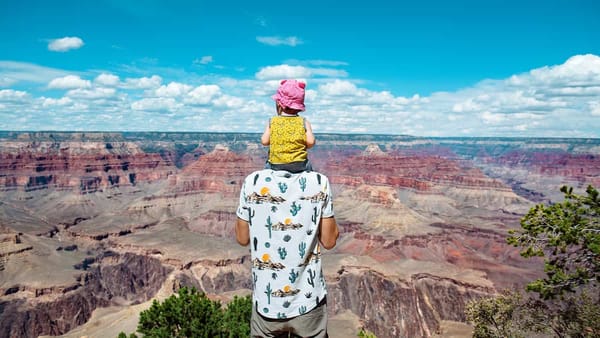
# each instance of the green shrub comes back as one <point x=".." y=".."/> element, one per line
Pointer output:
<point x="567" y="234"/>
<point x="190" y="313"/>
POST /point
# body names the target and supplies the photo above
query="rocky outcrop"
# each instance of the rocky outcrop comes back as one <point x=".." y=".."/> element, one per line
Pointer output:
<point x="86" y="167"/>
<point x="111" y="277"/>
<point x="463" y="247"/>
<point x="393" y="307"/>
<point x="220" y="171"/>
<point x="10" y="244"/>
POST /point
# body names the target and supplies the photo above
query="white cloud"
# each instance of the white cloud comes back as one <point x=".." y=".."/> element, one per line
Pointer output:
<point x="298" y="72"/>
<point x="65" y="44"/>
<point x="143" y="82"/>
<point x="203" y="94"/>
<point x="92" y="94"/>
<point x="69" y="82"/>
<point x="229" y="101"/>
<point x="559" y="100"/>
<point x="157" y="104"/>
<point x="490" y="118"/>
<point x="105" y="79"/>
<point x="63" y="101"/>
<point x="577" y="70"/>
<point x="291" y="41"/>
<point x="204" y="60"/>
<point x="10" y="95"/>
<point x="173" y="89"/>
<point x="338" y="88"/>
<point x="282" y="72"/>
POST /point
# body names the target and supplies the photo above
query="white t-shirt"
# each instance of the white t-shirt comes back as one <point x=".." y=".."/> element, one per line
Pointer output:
<point x="284" y="211"/>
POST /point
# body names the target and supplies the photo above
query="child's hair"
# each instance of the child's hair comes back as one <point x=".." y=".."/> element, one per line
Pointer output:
<point x="290" y="95"/>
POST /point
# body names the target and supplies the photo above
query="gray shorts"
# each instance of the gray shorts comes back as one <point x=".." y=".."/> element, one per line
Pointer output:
<point x="310" y="324"/>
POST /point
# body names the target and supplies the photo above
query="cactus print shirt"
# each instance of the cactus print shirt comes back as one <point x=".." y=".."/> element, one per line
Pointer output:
<point x="284" y="211"/>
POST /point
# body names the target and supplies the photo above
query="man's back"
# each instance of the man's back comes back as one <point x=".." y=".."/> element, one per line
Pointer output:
<point x="284" y="212"/>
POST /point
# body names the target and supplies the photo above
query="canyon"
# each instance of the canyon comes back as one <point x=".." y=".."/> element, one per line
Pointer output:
<point x="94" y="226"/>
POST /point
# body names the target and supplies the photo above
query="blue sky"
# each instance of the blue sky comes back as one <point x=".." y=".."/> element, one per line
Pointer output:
<point x="424" y="68"/>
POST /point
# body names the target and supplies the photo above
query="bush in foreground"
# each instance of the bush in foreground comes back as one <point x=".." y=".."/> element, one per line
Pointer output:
<point x="190" y="313"/>
<point x="567" y="234"/>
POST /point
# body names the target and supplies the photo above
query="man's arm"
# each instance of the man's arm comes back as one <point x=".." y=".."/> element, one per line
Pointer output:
<point x="242" y="232"/>
<point x="328" y="233"/>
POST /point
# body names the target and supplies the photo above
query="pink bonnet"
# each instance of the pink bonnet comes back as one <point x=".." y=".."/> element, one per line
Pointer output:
<point x="290" y="94"/>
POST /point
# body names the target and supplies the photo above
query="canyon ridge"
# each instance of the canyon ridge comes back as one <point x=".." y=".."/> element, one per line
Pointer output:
<point x="94" y="226"/>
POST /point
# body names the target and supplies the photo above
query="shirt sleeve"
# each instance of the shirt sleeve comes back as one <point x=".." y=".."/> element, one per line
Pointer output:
<point x="242" y="210"/>
<point x="327" y="208"/>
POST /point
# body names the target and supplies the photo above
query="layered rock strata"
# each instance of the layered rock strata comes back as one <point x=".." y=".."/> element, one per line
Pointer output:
<point x="86" y="167"/>
<point x="124" y="278"/>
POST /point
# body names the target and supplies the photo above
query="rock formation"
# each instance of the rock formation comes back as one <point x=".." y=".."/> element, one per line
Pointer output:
<point x="89" y="220"/>
<point x="83" y="166"/>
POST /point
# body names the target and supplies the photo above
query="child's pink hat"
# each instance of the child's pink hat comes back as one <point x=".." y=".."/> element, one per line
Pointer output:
<point x="290" y="94"/>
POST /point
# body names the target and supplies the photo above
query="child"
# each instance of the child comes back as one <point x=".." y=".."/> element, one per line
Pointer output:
<point x="287" y="134"/>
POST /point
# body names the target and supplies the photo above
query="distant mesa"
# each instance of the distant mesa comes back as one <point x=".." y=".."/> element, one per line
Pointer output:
<point x="221" y="148"/>
<point x="373" y="150"/>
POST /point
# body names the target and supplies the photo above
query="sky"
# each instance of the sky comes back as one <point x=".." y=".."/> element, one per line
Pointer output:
<point x="428" y="68"/>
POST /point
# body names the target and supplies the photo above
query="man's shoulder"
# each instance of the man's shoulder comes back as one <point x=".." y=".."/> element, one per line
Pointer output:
<point x="280" y="174"/>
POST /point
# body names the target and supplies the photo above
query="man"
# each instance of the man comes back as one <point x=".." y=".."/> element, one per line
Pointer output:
<point x="286" y="218"/>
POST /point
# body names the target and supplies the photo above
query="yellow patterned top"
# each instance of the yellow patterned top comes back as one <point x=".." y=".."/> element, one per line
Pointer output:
<point x="288" y="140"/>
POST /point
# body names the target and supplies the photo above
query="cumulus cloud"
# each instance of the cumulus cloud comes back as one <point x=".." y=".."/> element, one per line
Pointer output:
<point x="143" y="82"/>
<point x="156" y="104"/>
<point x="105" y="79"/>
<point x="203" y="94"/>
<point x="282" y="72"/>
<point x="299" y="72"/>
<point x="557" y="100"/>
<point x="291" y="41"/>
<point x="65" y="44"/>
<point x="63" y="101"/>
<point x="10" y="95"/>
<point x="92" y="94"/>
<point x="337" y="88"/>
<point x="69" y="82"/>
<point x="173" y="89"/>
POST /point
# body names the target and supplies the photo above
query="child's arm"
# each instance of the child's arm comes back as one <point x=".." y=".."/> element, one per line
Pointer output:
<point x="265" y="139"/>
<point x="310" y="137"/>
